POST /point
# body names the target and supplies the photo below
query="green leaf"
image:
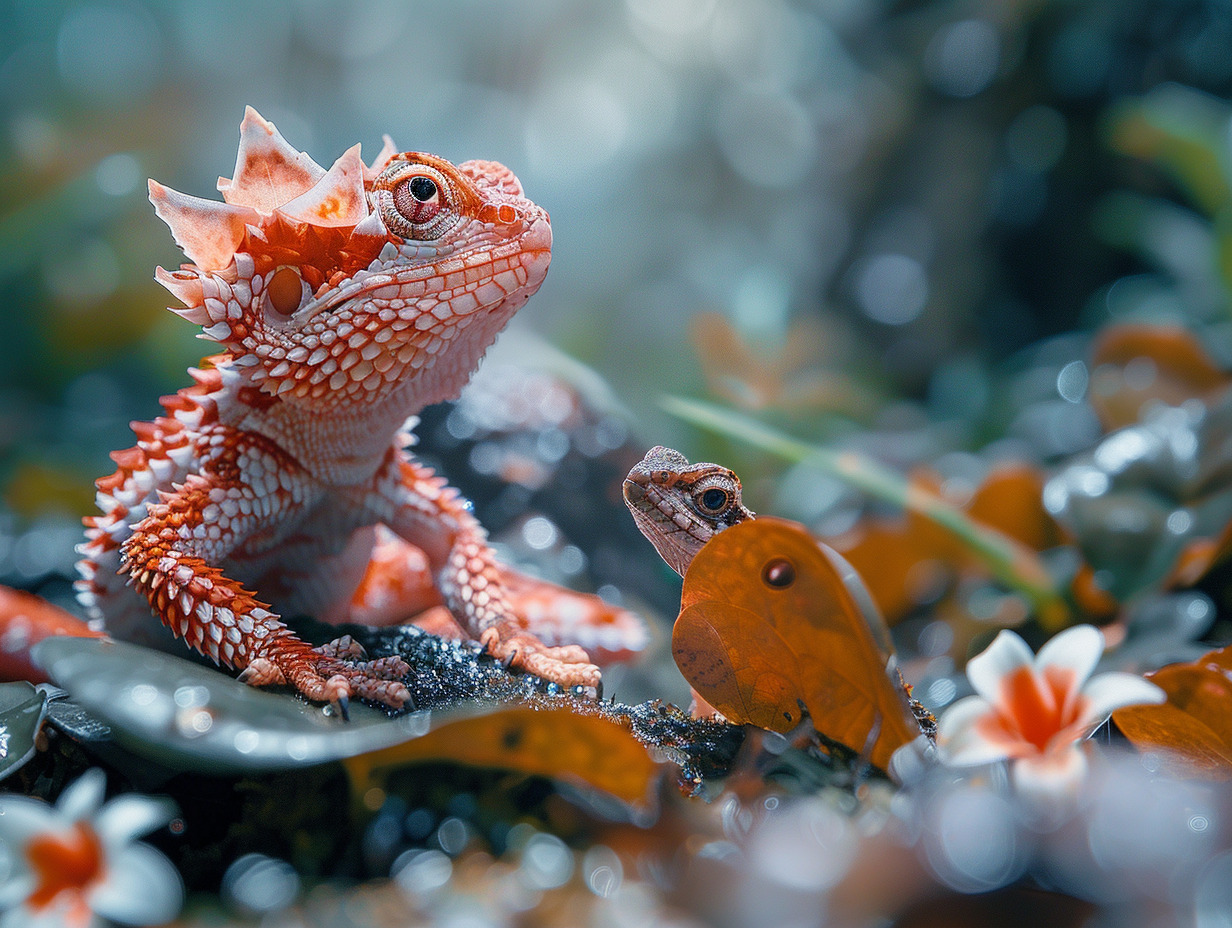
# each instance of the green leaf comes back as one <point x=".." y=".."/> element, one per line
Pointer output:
<point x="22" y="708"/>
<point x="1184" y="132"/>
<point x="187" y="716"/>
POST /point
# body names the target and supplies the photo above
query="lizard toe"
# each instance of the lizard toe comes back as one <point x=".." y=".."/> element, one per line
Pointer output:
<point x="568" y="665"/>
<point x="262" y="672"/>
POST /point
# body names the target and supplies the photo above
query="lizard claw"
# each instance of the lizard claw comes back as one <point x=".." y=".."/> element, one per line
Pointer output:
<point x="343" y="705"/>
<point x="262" y="672"/>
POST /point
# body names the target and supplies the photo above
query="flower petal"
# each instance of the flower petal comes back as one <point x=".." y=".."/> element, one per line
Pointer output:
<point x="1048" y="784"/>
<point x="82" y="797"/>
<point x="1007" y="653"/>
<point x="971" y="732"/>
<point x="131" y="815"/>
<point x="22" y="817"/>
<point x="16" y="889"/>
<point x="1107" y="692"/>
<point x="67" y="911"/>
<point x="141" y="888"/>
<point x="959" y="742"/>
<point x="1077" y="649"/>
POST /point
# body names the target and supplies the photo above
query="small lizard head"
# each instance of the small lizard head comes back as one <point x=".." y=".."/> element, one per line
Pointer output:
<point x="336" y="288"/>
<point x="680" y="506"/>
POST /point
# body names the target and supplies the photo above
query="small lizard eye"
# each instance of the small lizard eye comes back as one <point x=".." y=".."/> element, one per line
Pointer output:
<point x="712" y="501"/>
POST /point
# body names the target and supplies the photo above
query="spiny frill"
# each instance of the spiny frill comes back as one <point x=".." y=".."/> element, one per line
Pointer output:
<point x="279" y="209"/>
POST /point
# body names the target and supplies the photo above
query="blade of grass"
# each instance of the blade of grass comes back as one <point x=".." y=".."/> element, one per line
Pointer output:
<point x="1013" y="564"/>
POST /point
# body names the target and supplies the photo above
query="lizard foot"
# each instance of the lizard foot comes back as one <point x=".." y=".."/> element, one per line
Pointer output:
<point x="568" y="665"/>
<point x="321" y="676"/>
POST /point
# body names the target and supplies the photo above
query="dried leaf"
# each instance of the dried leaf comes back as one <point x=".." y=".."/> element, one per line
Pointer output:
<point x="769" y="623"/>
<point x="1010" y="500"/>
<point x="560" y="744"/>
<point x="1195" y="724"/>
<point x="26" y="620"/>
<point x="911" y="559"/>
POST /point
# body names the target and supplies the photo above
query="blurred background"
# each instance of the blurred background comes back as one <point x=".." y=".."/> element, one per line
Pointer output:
<point x="898" y="221"/>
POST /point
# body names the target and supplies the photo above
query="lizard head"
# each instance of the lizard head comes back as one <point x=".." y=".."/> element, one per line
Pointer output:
<point x="680" y="506"/>
<point x="335" y="287"/>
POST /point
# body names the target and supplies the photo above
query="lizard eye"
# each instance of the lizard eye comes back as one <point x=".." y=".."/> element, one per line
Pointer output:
<point x="415" y="201"/>
<point x="712" y="501"/>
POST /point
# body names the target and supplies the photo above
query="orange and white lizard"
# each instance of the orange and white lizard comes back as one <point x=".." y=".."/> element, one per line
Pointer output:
<point x="345" y="301"/>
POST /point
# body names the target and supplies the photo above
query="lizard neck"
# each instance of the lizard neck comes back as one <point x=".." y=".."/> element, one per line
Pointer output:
<point x="343" y="439"/>
<point x="343" y="444"/>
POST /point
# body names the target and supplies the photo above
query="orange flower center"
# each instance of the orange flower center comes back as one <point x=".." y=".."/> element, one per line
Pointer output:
<point x="72" y="860"/>
<point x="1035" y="709"/>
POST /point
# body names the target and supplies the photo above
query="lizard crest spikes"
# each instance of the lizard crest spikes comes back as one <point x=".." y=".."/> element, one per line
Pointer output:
<point x="680" y="506"/>
<point x="346" y="300"/>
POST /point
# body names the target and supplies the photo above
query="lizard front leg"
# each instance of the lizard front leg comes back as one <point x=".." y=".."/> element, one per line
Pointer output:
<point x="170" y="558"/>
<point x="418" y="506"/>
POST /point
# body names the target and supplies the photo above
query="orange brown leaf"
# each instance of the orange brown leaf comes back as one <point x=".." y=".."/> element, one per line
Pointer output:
<point x="1195" y="724"/>
<point x="1135" y="364"/>
<point x="911" y="559"/>
<point x="563" y="745"/>
<point x="769" y="623"/>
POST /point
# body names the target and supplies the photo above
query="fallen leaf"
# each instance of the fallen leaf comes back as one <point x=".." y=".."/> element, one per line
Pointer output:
<point x="771" y="620"/>
<point x="187" y="716"/>
<point x="1195" y="724"/>
<point x="910" y="560"/>
<point x="560" y="744"/>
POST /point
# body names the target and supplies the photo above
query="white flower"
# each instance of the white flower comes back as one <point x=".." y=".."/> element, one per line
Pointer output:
<point x="1035" y="710"/>
<point x="68" y="865"/>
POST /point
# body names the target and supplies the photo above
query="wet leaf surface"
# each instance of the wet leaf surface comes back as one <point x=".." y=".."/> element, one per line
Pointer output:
<point x="1134" y="366"/>
<point x="1151" y="505"/>
<point x="181" y="713"/>
<point x="192" y="717"/>
<point x="22" y="708"/>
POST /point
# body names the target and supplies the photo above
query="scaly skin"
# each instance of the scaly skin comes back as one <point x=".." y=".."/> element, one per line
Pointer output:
<point x="345" y="301"/>
<point x="680" y="506"/>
